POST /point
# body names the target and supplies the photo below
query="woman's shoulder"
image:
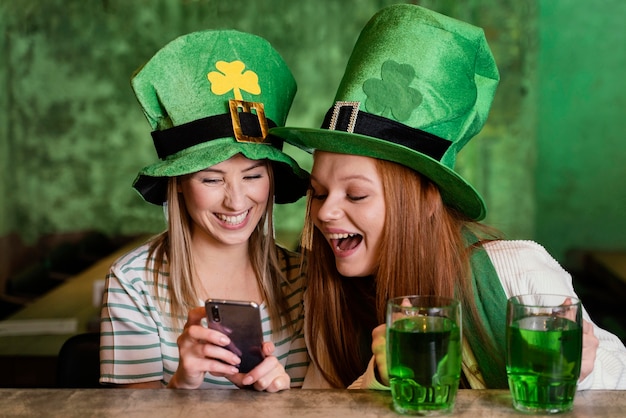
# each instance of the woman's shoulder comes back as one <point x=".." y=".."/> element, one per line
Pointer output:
<point x="133" y="258"/>
<point x="523" y="251"/>
<point x="527" y="267"/>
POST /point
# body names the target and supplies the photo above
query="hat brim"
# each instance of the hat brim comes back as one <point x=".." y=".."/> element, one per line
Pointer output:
<point x="455" y="191"/>
<point x="290" y="180"/>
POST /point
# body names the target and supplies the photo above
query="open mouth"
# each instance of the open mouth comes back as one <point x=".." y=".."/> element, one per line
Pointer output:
<point x="345" y="242"/>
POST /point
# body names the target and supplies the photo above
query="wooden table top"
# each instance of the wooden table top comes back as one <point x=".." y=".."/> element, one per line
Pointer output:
<point x="130" y="403"/>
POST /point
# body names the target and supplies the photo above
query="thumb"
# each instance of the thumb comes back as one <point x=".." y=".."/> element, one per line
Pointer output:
<point x="196" y="315"/>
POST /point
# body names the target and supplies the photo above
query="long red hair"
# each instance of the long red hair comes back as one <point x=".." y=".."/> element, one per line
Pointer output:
<point x="423" y="251"/>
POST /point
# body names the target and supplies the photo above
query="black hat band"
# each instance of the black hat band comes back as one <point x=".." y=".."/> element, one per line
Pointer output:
<point x="172" y="140"/>
<point x="346" y="116"/>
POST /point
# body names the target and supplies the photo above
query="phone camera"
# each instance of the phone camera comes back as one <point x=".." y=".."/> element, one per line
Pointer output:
<point x="215" y="312"/>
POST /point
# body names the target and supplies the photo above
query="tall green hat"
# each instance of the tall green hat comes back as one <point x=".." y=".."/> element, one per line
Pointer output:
<point x="418" y="86"/>
<point x="210" y="95"/>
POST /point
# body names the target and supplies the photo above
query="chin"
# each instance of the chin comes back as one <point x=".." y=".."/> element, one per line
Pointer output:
<point x="352" y="271"/>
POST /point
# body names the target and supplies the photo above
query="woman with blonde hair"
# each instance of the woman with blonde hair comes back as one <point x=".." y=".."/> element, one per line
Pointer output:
<point x="211" y="98"/>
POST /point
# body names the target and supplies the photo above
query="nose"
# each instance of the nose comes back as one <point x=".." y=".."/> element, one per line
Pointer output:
<point x="234" y="196"/>
<point x="328" y="210"/>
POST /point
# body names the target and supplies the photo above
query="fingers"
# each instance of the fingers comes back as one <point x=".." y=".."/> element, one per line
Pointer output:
<point x="566" y="310"/>
<point x="275" y="384"/>
<point x="399" y="314"/>
<point x="202" y="350"/>
<point x="269" y="376"/>
<point x="268" y="348"/>
<point x="379" y="338"/>
<point x="195" y="316"/>
<point x="590" y="341"/>
<point x="197" y="341"/>
<point x="379" y="349"/>
<point x="590" y="348"/>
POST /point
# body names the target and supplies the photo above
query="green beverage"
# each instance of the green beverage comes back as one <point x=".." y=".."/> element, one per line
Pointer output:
<point x="424" y="357"/>
<point x="543" y="363"/>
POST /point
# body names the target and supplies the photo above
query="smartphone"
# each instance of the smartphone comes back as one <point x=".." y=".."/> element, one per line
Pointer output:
<point x="241" y="322"/>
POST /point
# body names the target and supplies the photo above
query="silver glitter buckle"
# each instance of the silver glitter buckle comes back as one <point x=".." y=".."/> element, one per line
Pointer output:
<point x="353" y="115"/>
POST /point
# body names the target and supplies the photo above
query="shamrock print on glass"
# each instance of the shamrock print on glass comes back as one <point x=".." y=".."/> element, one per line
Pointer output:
<point x="390" y="96"/>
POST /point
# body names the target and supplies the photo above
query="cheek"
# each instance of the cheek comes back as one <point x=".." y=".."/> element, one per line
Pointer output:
<point x="376" y="222"/>
<point x="259" y="192"/>
<point x="195" y="202"/>
<point x="196" y="197"/>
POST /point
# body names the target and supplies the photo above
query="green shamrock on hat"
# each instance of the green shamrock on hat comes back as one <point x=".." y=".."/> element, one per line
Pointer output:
<point x="391" y="95"/>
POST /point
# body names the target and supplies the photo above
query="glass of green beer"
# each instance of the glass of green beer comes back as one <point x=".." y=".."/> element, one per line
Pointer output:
<point x="544" y="350"/>
<point x="424" y="353"/>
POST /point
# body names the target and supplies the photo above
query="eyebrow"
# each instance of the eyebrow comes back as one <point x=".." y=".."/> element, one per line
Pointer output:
<point x="349" y="177"/>
<point x="256" y="164"/>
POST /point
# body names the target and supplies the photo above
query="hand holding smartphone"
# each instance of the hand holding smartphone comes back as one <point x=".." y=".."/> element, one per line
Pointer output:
<point x="241" y="322"/>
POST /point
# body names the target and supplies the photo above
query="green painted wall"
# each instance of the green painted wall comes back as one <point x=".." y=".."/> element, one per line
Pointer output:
<point x="6" y="173"/>
<point x="72" y="136"/>
<point x="580" y="177"/>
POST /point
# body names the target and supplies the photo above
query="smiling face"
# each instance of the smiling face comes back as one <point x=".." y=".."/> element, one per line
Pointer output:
<point x="348" y="207"/>
<point x="226" y="201"/>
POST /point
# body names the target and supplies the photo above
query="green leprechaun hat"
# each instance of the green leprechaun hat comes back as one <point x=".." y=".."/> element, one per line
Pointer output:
<point x="210" y="95"/>
<point x="418" y="86"/>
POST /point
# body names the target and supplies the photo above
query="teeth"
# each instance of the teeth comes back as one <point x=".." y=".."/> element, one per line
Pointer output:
<point x="340" y="236"/>
<point x="233" y="220"/>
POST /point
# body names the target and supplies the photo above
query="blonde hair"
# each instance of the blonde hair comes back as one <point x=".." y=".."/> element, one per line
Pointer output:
<point x="171" y="252"/>
<point x="422" y="252"/>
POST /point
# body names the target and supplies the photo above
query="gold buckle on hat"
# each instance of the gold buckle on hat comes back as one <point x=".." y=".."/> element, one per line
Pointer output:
<point x="237" y="106"/>
<point x="353" y="115"/>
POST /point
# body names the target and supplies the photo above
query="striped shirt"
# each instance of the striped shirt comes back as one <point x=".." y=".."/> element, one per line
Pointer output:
<point x="138" y="342"/>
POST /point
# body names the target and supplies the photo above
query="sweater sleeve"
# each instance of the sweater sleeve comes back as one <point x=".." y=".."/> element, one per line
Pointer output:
<point x="526" y="267"/>
<point x="130" y="345"/>
<point x="368" y="379"/>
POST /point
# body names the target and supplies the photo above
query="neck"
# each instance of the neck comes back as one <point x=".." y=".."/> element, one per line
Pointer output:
<point x="224" y="272"/>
